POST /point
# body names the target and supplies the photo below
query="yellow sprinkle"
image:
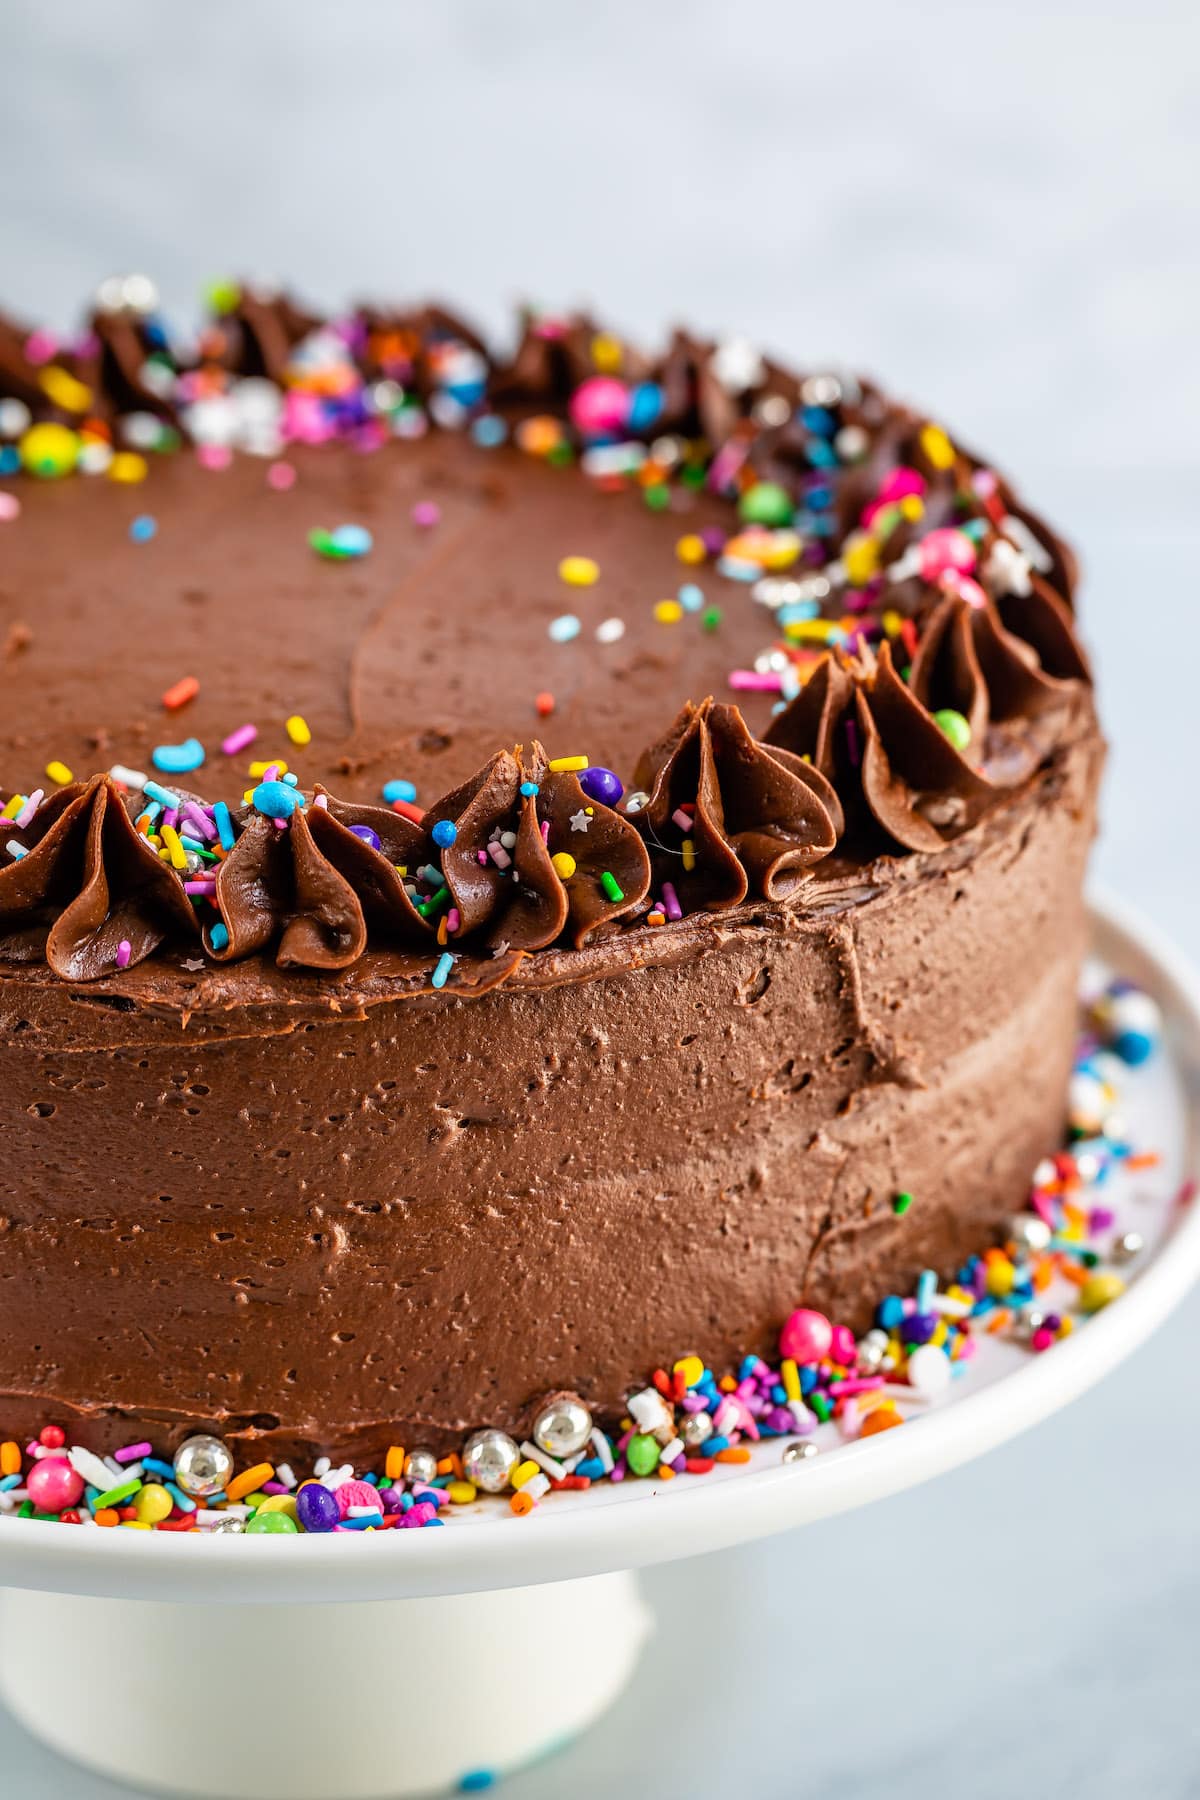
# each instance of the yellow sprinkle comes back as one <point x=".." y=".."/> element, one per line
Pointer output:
<point x="297" y="730"/>
<point x="248" y="797"/>
<point x="127" y="466"/>
<point x="175" y="849"/>
<point x="860" y="558"/>
<point x="689" y="854"/>
<point x="606" y="353"/>
<point x="564" y="865"/>
<point x="524" y="1472"/>
<point x="690" y="1367"/>
<point x="690" y="549"/>
<point x="578" y="571"/>
<point x="810" y="631"/>
<point x="259" y="769"/>
<point x="135" y="1524"/>
<point x="790" y="1376"/>
<point x="937" y="447"/>
<point x="64" y="390"/>
<point x="668" y="612"/>
<point x="568" y="764"/>
<point x="58" y="771"/>
<point x="892" y="622"/>
<point x="912" y="507"/>
<point x="13" y="807"/>
<point x="284" y="1503"/>
<point x="461" y="1492"/>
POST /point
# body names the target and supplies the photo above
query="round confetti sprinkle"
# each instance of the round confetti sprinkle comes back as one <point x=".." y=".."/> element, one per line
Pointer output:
<point x="668" y="612"/>
<point x="426" y="513"/>
<point x="610" y="631"/>
<point x="143" y="529"/>
<point x="564" y="628"/>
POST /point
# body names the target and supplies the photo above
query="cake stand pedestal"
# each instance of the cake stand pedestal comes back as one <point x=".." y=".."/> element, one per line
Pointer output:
<point x="414" y="1662"/>
<point x="398" y="1697"/>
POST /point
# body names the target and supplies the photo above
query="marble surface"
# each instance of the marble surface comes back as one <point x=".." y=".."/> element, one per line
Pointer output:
<point x="994" y="205"/>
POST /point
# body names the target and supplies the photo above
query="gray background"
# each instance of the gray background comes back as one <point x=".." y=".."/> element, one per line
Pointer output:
<point x="995" y="207"/>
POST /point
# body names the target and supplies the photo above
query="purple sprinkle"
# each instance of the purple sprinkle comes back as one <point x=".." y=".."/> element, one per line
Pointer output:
<point x="238" y="740"/>
<point x="200" y="887"/>
<point x="197" y="817"/>
<point x="671" y="901"/>
<point x="274" y="1487"/>
<point x="171" y="817"/>
<point x="133" y="1452"/>
<point x="852" y="742"/>
<point x="124" y="952"/>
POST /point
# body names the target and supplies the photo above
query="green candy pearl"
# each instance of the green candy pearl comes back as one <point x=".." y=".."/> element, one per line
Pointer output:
<point x="766" y="503"/>
<point x="954" y="726"/>
<point x="271" y="1521"/>
<point x="641" y="1453"/>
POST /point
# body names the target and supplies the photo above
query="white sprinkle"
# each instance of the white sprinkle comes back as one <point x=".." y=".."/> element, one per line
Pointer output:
<point x="610" y="631"/>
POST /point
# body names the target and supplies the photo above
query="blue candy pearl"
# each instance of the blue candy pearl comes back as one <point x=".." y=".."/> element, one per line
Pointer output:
<point x="275" y="799"/>
<point x="602" y="785"/>
<point x="444" y="834"/>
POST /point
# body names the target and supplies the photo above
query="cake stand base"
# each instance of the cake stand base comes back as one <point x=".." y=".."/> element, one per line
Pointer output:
<point x="388" y="1698"/>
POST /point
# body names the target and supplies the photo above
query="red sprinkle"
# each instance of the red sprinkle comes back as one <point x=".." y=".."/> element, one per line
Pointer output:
<point x="408" y="811"/>
<point x="180" y="693"/>
<point x="544" y="703"/>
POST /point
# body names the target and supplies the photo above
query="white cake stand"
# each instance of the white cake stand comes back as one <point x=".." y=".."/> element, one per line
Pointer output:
<point x="312" y="1666"/>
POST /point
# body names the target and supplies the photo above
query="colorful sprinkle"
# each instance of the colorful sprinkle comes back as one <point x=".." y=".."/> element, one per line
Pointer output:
<point x="578" y="571"/>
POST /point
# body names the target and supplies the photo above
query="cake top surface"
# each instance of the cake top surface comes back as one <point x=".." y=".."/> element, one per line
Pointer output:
<point x="770" y="627"/>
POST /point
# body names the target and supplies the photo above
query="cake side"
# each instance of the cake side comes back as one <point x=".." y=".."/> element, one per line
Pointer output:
<point x="321" y="1232"/>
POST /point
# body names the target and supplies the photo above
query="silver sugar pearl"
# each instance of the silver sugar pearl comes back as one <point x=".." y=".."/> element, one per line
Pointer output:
<point x="1029" y="1230"/>
<point x="695" y="1429"/>
<point x="851" y="443"/>
<point x="227" y="1527"/>
<point x="1029" y="1322"/>
<point x="634" y="802"/>
<point x="203" y="1466"/>
<point x="1127" y="1246"/>
<point x="563" y="1426"/>
<point x="489" y="1457"/>
<point x="821" y="390"/>
<point x="15" y="417"/>
<point x="803" y="1450"/>
<point x="420" y="1465"/>
<point x="871" y="1351"/>
<point x="772" y="411"/>
<point x="127" y="294"/>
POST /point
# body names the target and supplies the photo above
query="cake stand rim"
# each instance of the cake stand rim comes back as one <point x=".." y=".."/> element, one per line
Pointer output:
<point x="565" y="1542"/>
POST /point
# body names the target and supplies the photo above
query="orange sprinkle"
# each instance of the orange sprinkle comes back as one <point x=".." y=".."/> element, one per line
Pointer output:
<point x="998" y="1320"/>
<point x="180" y="693"/>
<point x="108" y="1515"/>
<point x="393" y="1467"/>
<point x="1145" y="1159"/>
<point x="248" y="1480"/>
<point x="451" y="1465"/>
<point x="735" y="1456"/>
<point x="522" y="1504"/>
<point x="1074" y="1273"/>
<point x="10" y="1458"/>
<point x="881" y="1418"/>
<point x="664" y="1472"/>
<point x="543" y="705"/>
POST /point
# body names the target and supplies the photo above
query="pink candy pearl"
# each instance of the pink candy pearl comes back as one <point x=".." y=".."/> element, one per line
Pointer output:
<point x="357" y="1493"/>
<point x="53" y="1484"/>
<point x="843" y="1348"/>
<point x="946" y="552"/>
<point x="599" y="405"/>
<point x="898" y="484"/>
<point x="806" y="1336"/>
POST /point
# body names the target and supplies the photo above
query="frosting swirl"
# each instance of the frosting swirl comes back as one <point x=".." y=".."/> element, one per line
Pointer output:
<point x="89" y="894"/>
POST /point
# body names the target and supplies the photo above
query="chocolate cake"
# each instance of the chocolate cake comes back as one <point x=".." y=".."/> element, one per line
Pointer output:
<point x="671" y="913"/>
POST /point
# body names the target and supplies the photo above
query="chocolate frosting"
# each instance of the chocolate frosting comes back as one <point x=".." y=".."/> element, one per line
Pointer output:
<point x="755" y="818"/>
<point x="281" y="1181"/>
<point x="87" y="883"/>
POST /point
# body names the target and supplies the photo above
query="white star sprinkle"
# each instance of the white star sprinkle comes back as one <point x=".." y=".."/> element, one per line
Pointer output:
<point x="580" y="821"/>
